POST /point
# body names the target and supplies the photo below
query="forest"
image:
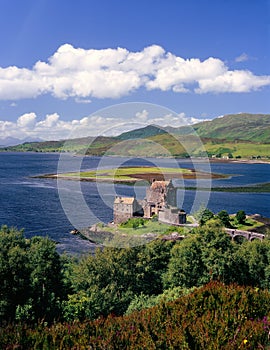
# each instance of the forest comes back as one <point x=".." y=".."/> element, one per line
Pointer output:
<point x="205" y="291"/>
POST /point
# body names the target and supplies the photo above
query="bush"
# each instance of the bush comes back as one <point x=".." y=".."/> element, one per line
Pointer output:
<point x="215" y="316"/>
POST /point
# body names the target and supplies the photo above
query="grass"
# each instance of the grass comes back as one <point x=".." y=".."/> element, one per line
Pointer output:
<point x="133" y="174"/>
<point x="151" y="228"/>
<point x="243" y="149"/>
<point x="148" y="227"/>
<point x="249" y="224"/>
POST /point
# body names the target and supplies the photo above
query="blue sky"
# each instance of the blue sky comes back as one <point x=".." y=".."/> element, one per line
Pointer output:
<point x="63" y="61"/>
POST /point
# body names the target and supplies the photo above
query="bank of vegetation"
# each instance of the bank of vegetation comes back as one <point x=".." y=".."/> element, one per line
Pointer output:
<point x="204" y="292"/>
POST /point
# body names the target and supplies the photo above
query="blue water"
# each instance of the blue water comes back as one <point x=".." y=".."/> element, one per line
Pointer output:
<point x="34" y="205"/>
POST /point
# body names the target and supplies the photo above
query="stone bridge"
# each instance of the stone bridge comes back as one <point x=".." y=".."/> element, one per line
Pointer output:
<point x="250" y="236"/>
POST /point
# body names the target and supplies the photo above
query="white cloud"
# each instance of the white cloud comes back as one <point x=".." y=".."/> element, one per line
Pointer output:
<point x="233" y="81"/>
<point x="242" y="58"/>
<point x="142" y="116"/>
<point x="26" y="120"/>
<point x="53" y="128"/>
<point x="112" y="73"/>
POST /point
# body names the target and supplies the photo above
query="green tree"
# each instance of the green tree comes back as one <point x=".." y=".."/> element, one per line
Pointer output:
<point x="31" y="278"/>
<point x="224" y="218"/>
<point x="111" y="278"/>
<point x="46" y="279"/>
<point x="14" y="272"/>
<point x="240" y="217"/>
<point x="217" y="251"/>
<point x="206" y="216"/>
<point x="251" y="264"/>
<point x="186" y="267"/>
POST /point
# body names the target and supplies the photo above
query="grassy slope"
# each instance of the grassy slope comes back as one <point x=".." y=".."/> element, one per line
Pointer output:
<point x="244" y="126"/>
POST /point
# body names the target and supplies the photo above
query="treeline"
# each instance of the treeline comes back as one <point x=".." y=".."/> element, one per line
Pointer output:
<point x="39" y="287"/>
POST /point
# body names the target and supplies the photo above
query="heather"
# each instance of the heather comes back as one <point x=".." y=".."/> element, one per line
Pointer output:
<point x="216" y="316"/>
<point x="203" y="292"/>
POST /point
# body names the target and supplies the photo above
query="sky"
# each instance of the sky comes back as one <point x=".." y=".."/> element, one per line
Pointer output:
<point x="65" y="65"/>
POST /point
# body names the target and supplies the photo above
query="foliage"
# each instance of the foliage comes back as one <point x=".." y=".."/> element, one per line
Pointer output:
<point x="224" y="218"/>
<point x="31" y="278"/>
<point x="240" y="217"/>
<point x="108" y="281"/>
<point x="203" y="215"/>
<point x="206" y="216"/>
<point x="215" y="316"/>
<point x="133" y="223"/>
<point x="143" y="301"/>
<point x="38" y="284"/>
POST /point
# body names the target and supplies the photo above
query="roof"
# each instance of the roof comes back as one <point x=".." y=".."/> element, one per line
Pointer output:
<point x="124" y="200"/>
<point x="160" y="184"/>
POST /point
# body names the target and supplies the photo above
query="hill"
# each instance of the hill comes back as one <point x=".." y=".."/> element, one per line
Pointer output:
<point x="98" y="145"/>
<point x="142" y="133"/>
<point x="236" y="135"/>
<point x="233" y="127"/>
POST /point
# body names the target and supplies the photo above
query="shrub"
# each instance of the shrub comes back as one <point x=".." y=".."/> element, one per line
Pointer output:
<point x="215" y="316"/>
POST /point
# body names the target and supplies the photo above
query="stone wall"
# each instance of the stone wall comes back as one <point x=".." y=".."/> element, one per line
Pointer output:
<point x="172" y="216"/>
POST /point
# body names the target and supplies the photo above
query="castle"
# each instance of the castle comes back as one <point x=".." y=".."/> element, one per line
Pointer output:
<point x="160" y="200"/>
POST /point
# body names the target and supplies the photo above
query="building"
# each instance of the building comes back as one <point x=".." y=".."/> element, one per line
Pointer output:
<point x="125" y="208"/>
<point x="159" y="195"/>
<point x="160" y="200"/>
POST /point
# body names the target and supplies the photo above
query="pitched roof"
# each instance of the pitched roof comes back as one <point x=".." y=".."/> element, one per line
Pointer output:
<point x="124" y="200"/>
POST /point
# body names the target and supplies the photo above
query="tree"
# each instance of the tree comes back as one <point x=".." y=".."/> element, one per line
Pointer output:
<point x="14" y="272"/>
<point x="203" y="215"/>
<point x="217" y="251"/>
<point x="252" y="261"/>
<point x="108" y="281"/>
<point x="46" y="279"/>
<point x="31" y="278"/>
<point x="185" y="268"/>
<point x="240" y="217"/>
<point x="224" y="218"/>
<point x="206" y="216"/>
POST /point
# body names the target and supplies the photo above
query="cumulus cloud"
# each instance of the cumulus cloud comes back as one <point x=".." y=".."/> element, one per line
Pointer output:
<point x="26" y="120"/>
<point x="233" y="81"/>
<point x="112" y="73"/>
<point x="52" y="127"/>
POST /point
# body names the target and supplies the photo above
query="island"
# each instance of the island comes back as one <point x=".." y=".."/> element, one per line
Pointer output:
<point x="134" y="174"/>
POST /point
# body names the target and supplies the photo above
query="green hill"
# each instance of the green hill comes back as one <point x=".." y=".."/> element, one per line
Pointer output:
<point x="233" y="127"/>
<point x="235" y="135"/>
<point x="142" y="133"/>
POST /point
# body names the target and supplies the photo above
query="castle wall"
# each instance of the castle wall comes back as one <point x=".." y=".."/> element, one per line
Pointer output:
<point x="172" y="216"/>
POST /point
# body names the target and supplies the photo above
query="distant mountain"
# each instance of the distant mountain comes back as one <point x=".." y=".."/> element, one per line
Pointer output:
<point x="12" y="141"/>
